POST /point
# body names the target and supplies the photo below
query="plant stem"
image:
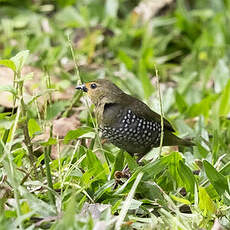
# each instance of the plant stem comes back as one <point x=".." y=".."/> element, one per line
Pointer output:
<point x="47" y="152"/>
<point x="161" y="111"/>
<point x="48" y="175"/>
<point x="74" y="59"/>
<point x="27" y="139"/>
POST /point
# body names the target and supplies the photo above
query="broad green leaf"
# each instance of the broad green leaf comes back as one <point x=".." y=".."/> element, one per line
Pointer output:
<point x="3" y="115"/>
<point x="55" y="108"/>
<point x="212" y="192"/>
<point x="145" y="80"/>
<point x="224" y="107"/>
<point x="131" y="162"/>
<point x="181" y="104"/>
<point x="218" y="181"/>
<point x="33" y="127"/>
<point x="180" y="200"/>
<point x="103" y="189"/>
<point x="203" y="107"/>
<point x="8" y="63"/>
<point x="187" y="177"/>
<point x="75" y="134"/>
<point x="153" y="168"/>
<point x="51" y="141"/>
<point x="93" y="161"/>
<point x="205" y="202"/>
<point x="220" y="75"/>
<point x="173" y="166"/>
<point x="151" y="191"/>
<point x="119" y="162"/>
<point x="95" y="170"/>
<point x="76" y="173"/>
<point x="126" y="59"/>
<point x="8" y="88"/>
<point x="20" y="59"/>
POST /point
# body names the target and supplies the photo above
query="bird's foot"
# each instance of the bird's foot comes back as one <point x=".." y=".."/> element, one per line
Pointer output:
<point x="121" y="177"/>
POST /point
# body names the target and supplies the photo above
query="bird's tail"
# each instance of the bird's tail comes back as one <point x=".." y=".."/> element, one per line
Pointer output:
<point x="170" y="140"/>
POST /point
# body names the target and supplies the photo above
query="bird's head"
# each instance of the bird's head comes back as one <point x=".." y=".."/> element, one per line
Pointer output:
<point x="101" y="91"/>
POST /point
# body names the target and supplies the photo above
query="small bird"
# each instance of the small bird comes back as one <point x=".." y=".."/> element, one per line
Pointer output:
<point x="127" y="122"/>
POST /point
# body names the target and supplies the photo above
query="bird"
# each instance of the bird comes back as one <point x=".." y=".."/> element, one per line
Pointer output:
<point x="126" y="121"/>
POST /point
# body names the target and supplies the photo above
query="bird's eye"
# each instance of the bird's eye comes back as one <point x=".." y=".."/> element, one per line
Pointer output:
<point x="93" y="86"/>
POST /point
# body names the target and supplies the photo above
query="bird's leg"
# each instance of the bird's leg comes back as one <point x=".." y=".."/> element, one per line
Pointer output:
<point x="138" y="160"/>
<point x="121" y="176"/>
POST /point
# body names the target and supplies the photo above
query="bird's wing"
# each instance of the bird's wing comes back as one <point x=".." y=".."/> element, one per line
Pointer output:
<point x="142" y="110"/>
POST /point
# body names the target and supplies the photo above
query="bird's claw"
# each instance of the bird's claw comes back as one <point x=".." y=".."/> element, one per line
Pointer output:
<point x="121" y="176"/>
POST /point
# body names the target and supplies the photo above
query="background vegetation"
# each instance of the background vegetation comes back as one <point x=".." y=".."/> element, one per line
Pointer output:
<point x="46" y="47"/>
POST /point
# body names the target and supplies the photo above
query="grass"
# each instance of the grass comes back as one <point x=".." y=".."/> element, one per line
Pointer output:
<point x="54" y="170"/>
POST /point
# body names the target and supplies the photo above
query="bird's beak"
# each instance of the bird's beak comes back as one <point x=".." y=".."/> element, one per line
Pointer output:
<point x="82" y="87"/>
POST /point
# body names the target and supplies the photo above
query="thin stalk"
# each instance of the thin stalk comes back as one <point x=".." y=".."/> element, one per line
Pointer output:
<point x="47" y="151"/>
<point x="27" y="139"/>
<point x="161" y="111"/>
<point x="74" y="59"/>
<point x="48" y="175"/>
<point x="12" y="172"/>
